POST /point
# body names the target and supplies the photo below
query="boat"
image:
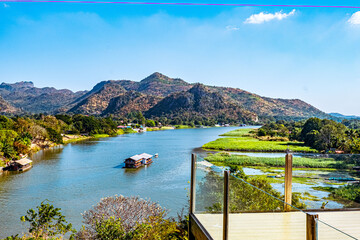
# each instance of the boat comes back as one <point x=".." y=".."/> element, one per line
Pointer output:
<point x="156" y="155"/>
<point x="138" y="160"/>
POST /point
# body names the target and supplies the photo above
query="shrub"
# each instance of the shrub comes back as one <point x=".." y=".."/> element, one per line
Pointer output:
<point x="122" y="217"/>
<point x="46" y="222"/>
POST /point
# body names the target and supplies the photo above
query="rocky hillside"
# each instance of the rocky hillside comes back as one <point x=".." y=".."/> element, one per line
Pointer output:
<point x="199" y="101"/>
<point x="156" y="95"/>
<point x="130" y="101"/>
<point x="27" y="98"/>
<point x="6" y="107"/>
<point x="97" y="100"/>
<point x="156" y="84"/>
<point x="270" y="106"/>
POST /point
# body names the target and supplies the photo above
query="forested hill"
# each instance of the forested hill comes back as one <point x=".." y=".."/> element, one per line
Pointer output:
<point x="156" y="95"/>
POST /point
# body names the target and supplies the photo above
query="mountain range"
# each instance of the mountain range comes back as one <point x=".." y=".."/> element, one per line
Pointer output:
<point x="155" y="96"/>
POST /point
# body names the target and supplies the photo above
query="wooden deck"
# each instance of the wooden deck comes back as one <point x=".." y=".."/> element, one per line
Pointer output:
<point x="283" y="225"/>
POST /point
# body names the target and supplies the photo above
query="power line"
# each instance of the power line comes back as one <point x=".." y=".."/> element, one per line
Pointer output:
<point x="181" y="4"/>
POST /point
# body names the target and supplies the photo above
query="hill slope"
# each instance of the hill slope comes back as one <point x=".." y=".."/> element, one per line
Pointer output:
<point x="24" y="96"/>
<point x="6" y="107"/>
<point x="199" y="101"/>
<point x="97" y="100"/>
<point x="130" y="101"/>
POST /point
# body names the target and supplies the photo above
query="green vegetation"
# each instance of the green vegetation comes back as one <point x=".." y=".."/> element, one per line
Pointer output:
<point x="129" y="130"/>
<point x="242" y="132"/>
<point x="324" y="135"/>
<point x="352" y="123"/>
<point x="225" y="159"/>
<point x="348" y="192"/>
<point x="47" y="222"/>
<point x="138" y="219"/>
<point x="100" y="135"/>
<point x="75" y="138"/>
<point x="21" y="135"/>
<point x="243" y="196"/>
<point x="182" y="126"/>
<point x="245" y="141"/>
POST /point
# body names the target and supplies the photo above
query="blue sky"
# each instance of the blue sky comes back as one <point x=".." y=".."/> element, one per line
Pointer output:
<point x="308" y="53"/>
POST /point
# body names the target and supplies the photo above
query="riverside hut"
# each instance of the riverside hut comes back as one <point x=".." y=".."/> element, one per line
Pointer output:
<point x="138" y="160"/>
<point x="21" y="165"/>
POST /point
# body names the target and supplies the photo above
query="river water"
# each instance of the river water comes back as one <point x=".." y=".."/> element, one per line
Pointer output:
<point x="76" y="176"/>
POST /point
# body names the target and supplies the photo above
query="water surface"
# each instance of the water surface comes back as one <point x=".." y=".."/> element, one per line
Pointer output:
<point x="76" y="176"/>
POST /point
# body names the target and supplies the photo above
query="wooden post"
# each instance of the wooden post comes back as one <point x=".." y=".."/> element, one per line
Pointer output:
<point x="192" y="183"/>
<point x="311" y="233"/>
<point x="288" y="181"/>
<point x="192" y="194"/>
<point x="226" y="206"/>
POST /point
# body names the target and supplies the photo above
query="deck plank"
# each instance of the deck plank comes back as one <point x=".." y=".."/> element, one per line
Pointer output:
<point x="284" y="225"/>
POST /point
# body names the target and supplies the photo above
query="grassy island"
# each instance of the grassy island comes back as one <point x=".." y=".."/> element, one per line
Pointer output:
<point x="246" y="140"/>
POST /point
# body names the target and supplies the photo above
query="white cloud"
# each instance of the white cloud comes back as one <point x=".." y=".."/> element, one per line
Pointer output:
<point x="232" y="28"/>
<point x="6" y="5"/>
<point x="266" y="17"/>
<point x="355" y="18"/>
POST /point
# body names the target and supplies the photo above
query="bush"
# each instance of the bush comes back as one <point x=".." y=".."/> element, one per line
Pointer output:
<point x="122" y="217"/>
<point x="46" y="222"/>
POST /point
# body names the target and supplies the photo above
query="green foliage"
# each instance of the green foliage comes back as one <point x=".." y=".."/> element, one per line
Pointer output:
<point x="129" y="130"/>
<point x="349" y="192"/>
<point x="150" y="123"/>
<point x="54" y="135"/>
<point x="46" y="222"/>
<point x="320" y="134"/>
<point x="182" y="126"/>
<point x="250" y="194"/>
<point x="242" y="132"/>
<point x="250" y="143"/>
<point x="352" y="123"/>
<point x="111" y="229"/>
<point x="126" y="218"/>
<point x="300" y="162"/>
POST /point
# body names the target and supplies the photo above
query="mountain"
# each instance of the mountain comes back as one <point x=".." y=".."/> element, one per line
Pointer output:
<point x="264" y="106"/>
<point x="27" y="98"/>
<point x="130" y="101"/>
<point x="199" y="101"/>
<point x="155" y="95"/>
<point x="156" y="84"/>
<point x="97" y="100"/>
<point x="338" y="115"/>
<point x="6" y="107"/>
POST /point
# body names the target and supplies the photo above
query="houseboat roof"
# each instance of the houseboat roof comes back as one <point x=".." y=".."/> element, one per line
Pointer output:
<point x="140" y="156"/>
<point x="23" y="161"/>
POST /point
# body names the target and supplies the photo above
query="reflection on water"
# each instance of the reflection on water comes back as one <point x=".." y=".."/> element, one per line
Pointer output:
<point x="74" y="177"/>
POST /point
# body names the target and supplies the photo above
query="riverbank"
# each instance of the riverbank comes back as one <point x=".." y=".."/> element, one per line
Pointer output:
<point x="244" y="140"/>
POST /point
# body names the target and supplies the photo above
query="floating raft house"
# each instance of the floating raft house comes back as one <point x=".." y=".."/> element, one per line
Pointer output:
<point x="21" y="165"/>
<point x="138" y="160"/>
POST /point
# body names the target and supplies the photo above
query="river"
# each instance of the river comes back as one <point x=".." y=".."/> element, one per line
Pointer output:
<point x="76" y="176"/>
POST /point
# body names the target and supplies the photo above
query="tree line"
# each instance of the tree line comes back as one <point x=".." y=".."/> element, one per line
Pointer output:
<point x="321" y="134"/>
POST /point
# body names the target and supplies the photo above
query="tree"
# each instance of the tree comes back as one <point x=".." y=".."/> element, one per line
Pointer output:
<point x="310" y="125"/>
<point x="150" y="123"/>
<point x="128" y="218"/>
<point x="38" y="132"/>
<point x="54" y="135"/>
<point x="46" y="222"/>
